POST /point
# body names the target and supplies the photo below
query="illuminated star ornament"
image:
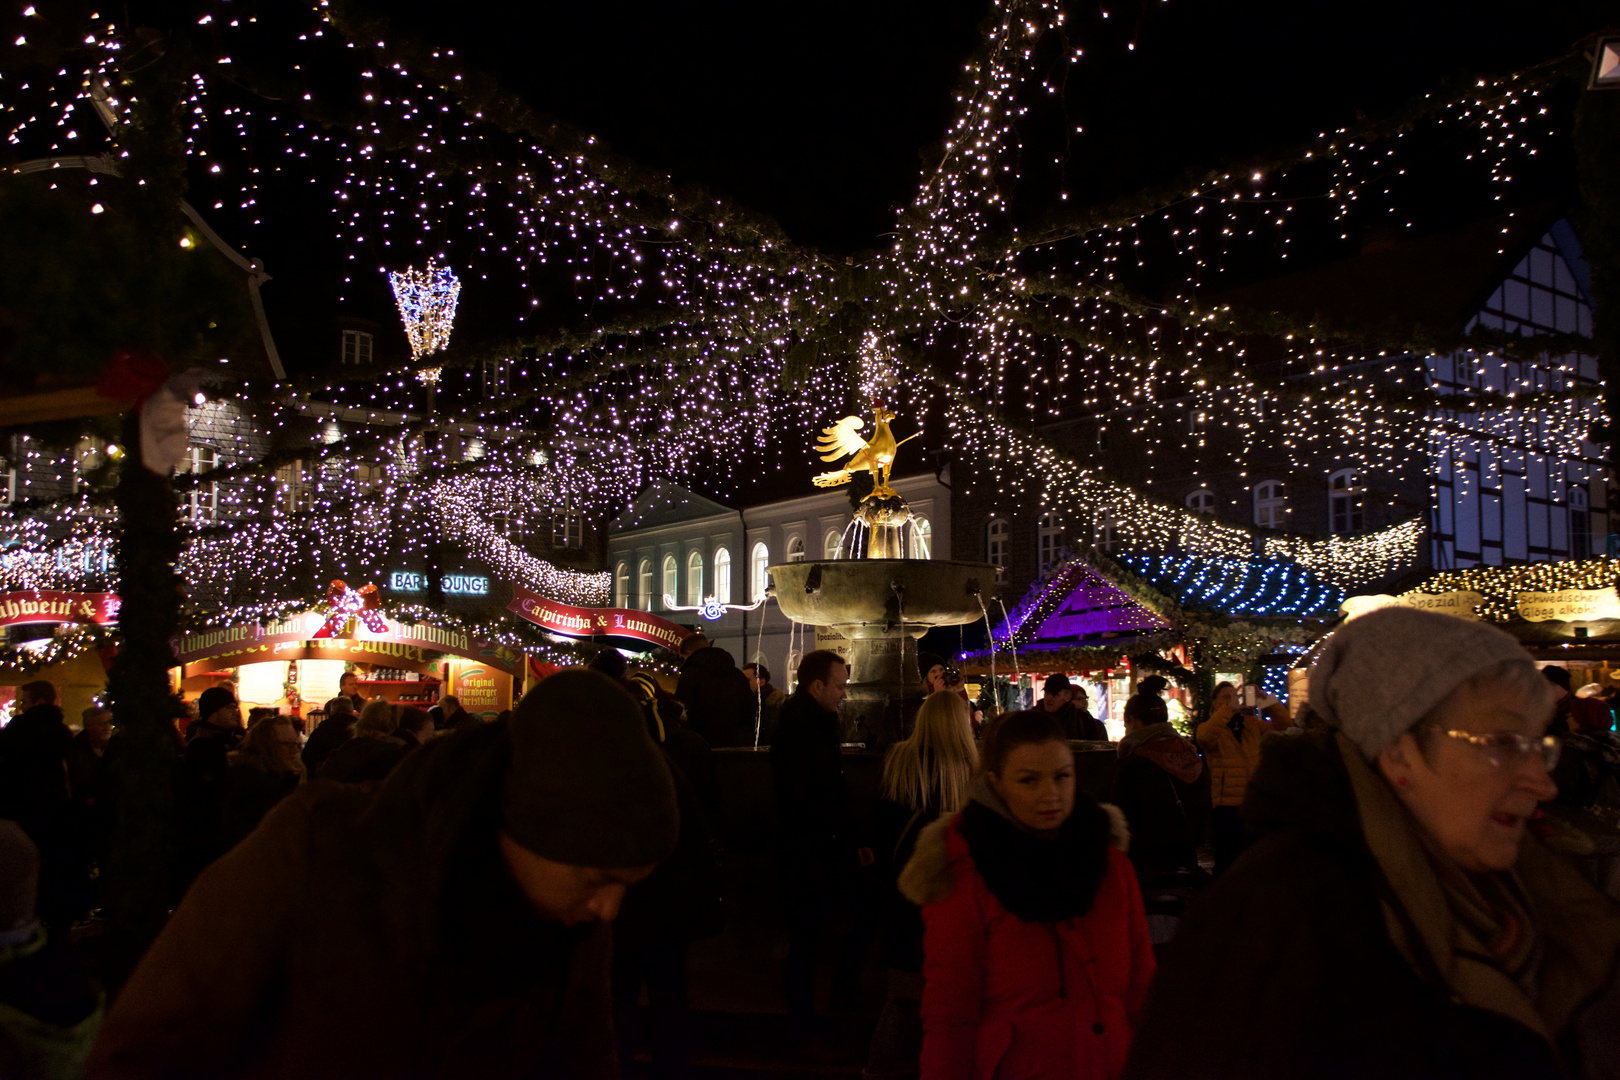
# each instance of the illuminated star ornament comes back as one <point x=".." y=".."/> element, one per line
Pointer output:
<point x="427" y="303"/>
<point x="344" y="605"/>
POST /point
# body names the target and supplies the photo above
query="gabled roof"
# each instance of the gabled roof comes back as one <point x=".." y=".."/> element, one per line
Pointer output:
<point x="665" y="504"/>
<point x="1432" y="283"/>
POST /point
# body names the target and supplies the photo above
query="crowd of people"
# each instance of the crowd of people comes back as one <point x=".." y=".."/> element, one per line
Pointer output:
<point x="1378" y="885"/>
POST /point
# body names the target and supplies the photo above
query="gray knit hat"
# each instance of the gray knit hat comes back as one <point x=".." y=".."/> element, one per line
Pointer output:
<point x="1384" y="671"/>
<point x="588" y="787"/>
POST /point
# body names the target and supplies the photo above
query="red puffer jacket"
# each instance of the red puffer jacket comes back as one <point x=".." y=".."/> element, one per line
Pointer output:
<point x="1017" y="1000"/>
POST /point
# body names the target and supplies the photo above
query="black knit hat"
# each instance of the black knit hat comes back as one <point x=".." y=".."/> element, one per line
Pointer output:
<point x="588" y="787"/>
<point x="214" y="699"/>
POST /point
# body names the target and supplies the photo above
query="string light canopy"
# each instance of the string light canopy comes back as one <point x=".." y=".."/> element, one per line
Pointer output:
<point x="681" y="330"/>
<point x="427" y="303"/>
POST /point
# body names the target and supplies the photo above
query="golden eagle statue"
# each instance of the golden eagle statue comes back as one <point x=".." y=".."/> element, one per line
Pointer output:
<point x="875" y="455"/>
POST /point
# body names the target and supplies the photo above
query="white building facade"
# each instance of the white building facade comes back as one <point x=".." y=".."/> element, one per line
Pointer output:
<point x="677" y="544"/>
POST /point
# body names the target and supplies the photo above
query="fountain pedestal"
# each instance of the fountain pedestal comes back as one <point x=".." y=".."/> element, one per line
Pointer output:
<point x="882" y="606"/>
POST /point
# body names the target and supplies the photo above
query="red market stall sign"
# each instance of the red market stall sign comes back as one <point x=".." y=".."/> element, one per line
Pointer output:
<point x="595" y="622"/>
<point x="19" y="608"/>
<point x="294" y="638"/>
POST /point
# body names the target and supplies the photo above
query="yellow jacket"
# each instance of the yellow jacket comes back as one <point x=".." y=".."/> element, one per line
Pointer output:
<point x="1231" y="761"/>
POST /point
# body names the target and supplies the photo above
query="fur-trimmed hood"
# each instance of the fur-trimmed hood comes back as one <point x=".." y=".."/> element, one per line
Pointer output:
<point x="931" y="873"/>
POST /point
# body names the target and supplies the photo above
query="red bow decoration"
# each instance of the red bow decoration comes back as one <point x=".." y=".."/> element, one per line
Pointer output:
<point x="344" y="605"/>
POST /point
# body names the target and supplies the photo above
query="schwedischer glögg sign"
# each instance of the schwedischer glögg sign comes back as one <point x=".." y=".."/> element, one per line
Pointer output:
<point x="595" y="622"/>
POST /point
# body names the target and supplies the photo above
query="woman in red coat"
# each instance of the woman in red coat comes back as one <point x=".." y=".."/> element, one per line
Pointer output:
<point x="1036" y="951"/>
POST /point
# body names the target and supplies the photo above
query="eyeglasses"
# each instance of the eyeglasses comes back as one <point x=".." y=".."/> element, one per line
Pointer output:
<point x="1510" y="749"/>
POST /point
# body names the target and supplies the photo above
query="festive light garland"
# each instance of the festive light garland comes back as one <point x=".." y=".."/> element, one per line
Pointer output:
<point x="702" y="316"/>
<point x="427" y="304"/>
<point x="1500" y="585"/>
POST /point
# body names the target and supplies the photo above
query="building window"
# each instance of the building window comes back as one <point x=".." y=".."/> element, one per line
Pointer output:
<point x="356" y="348"/>
<point x="567" y="530"/>
<point x="830" y="542"/>
<point x="995" y="545"/>
<point x="795" y="550"/>
<point x="1050" y="536"/>
<point x="1344" y="501"/>
<point x="1580" y="524"/>
<point x="1270" y="504"/>
<point x="644" y="584"/>
<point x="292" y="487"/>
<point x="694" y="579"/>
<point x="1201" y="501"/>
<point x="202" y="501"/>
<point x="497" y="378"/>
<point x="672" y="583"/>
<point x="89" y="455"/>
<point x="1107" y="532"/>
<point x="922" y="538"/>
<point x="621" y="585"/>
<point x="722" y="575"/>
<point x="759" y="578"/>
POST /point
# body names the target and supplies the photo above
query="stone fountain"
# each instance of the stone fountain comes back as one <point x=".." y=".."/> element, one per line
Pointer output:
<point x="873" y="594"/>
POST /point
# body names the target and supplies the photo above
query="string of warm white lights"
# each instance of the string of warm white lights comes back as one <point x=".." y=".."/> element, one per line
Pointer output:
<point x="690" y="319"/>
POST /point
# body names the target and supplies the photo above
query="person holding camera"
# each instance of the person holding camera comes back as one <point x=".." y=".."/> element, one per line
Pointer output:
<point x="1230" y="740"/>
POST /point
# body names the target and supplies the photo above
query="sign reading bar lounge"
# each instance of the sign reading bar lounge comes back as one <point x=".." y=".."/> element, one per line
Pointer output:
<point x="18" y="608"/>
<point x="1569" y="605"/>
<point x="595" y="622"/>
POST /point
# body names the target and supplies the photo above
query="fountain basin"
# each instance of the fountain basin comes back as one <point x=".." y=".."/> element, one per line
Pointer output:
<point x="882" y="606"/>
<point x="871" y="598"/>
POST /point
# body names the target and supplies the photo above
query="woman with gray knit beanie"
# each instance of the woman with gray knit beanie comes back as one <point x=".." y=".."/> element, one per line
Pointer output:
<point x="1396" y="914"/>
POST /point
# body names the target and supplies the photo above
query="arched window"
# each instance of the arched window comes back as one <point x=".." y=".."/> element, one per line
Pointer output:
<point x="758" y="580"/>
<point x="1580" y="524"/>
<point x="1107" y="532"/>
<point x="672" y="585"/>
<point x="795" y="550"/>
<point x="922" y="538"/>
<point x="1201" y="501"/>
<point x="694" y="579"/>
<point x="829" y="544"/>
<point x="1050" y="536"/>
<point x="722" y="575"/>
<point x="1270" y="504"/>
<point x="995" y="545"/>
<point x="621" y="585"/>
<point x="1344" y="501"/>
<point x="644" y="585"/>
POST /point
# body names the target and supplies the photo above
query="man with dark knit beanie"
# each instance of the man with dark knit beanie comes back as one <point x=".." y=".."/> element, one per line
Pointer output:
<point x="453" y="923"/>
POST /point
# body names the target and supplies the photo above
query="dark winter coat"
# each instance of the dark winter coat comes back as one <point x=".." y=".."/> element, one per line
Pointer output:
<point x="1162" y="787"/>
<point x="33" y="767"/>
<point x="426" y="960"/>
<point x="251" y="792"/>
<point x="200" y="795"/>
<point x="1328" y="950"/>
<point x="895" y="829"/>
<point x="365" y="759"/>
<point x="719" y="705"/>
<point x="328" y="735"/>
<point x="807" y="765"/>
<point x="680" y="900"/>
<point x="1016" y="998"/>
<point x="49" y="1010"/>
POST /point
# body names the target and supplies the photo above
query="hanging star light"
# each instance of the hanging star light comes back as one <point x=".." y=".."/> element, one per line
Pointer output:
<point x="427" y="303"/>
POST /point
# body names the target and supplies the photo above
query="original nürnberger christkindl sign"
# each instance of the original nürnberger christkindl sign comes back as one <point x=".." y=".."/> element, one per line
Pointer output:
<point x="1569" y="605"/>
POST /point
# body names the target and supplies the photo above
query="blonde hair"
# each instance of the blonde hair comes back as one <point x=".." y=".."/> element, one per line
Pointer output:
<point x="937" y="763"/>
<point x="258" y="747"/>
<point x="379" y="718"/>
